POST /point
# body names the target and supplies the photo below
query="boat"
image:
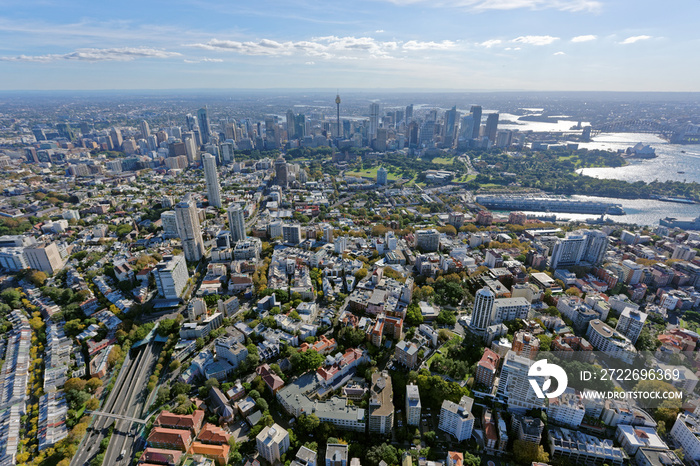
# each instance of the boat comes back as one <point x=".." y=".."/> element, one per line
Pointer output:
<point x="679" y="200"/>
<point x="681" y="172"/>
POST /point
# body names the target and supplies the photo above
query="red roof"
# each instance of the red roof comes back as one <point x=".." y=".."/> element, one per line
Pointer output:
<point x="213" y="434"/>
<point x="178" y="438"/>
<point x="181" y="421"/>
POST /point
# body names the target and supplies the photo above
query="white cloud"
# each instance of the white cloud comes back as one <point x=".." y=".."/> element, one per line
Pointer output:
<point x="310" y="63"/>
<point x="379" y="31"/>
<point x="586" y="38"/>
<point x="535" y="40"/>
<point x="633" y="39"/>
<point x="562" y="5"/>
<point x="205" y="60"/>
<point x="347" y="47"/>
<point x="559" y="53"/>
<point x="490" y="43"/>
<point x="92" y="55"/>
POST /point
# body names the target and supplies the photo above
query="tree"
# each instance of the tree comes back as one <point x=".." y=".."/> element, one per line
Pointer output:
<point x="93" y="384"/>
<point x="383" y="452"/>
<point x="471" y="460"/>
<point x="174" y="365"/>
<point x="306" y="361"/>
<point x="262" y="404"/>
<point x="308" y="423"/>
<point x="361" y="273"/>
<point x="446" y="317"/>
<point x="163" y="395"/>
<point x="254" y="394"/>
<point x="38" y="278"/>
<point x="414" y="317"/>
<point x="528" y="452"/>
<point x="573" y="291"/>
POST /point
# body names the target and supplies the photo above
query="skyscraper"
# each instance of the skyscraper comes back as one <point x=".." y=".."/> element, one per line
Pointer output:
<point x="382" y="176"/>
<point x="492" y="126"/>
<point x="476" y="114"/>
<point x="188" y="229"/>
<point x="291" y="125"/>
<point x="373" y="120"/>
<point x="409" y="113"/>
<point x="145" y="129"/>
<point x="300" y="126"/>
<point x="204" y="126"/>
<point x="281" y="171"/>
<point x="117" y="138"/>
<point x="483" y="310"/>
<point x="236" y="222"/>
<point x="451" y="120"/>
<point x="211" y="176"/>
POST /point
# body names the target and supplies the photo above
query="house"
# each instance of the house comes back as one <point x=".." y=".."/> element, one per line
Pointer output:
<point x="171" y="439"/>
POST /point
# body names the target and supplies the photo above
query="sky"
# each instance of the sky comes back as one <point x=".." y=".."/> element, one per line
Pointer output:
<point x="563" y="45"/>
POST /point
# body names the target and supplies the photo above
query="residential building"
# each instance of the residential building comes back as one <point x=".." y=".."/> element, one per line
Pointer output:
<point x="605" y="338"/>
<point x="514" y="386"/>
<point x="457" y="419"/>
<point x="189" y="229"/>
<point x="170" y="439"/>
<point x="171" y="276"/>
<point x="631" y="323"/>
<point x="236" y="223"/>
<point x="652" y="457"/>
<point x="381" y="404"/>
<point x="272" y="442"/>
<point x="567" y="409"/>
<point x="482" y="313"/>
<point x="44" y="257"/>
<point x="406" y="353"/>
<point x="413" y="406"/>
<point x="291" y="234"/>
<point x="211" y="177"/>
<point x="336" y="454"/>
<point x="487" y="368"/>
<point x="526" y="344"/>
<point x="305" y="457"/>
<point x="579" y="448"/>
<point x="428" y="240"/>
<point x="632" y="438"/>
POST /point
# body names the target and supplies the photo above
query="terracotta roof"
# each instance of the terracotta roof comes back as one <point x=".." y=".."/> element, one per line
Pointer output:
<point x="217" y="451"/>
<point x="187" y="421"/>
<point x="176" y="437"/>
<point x="213" y="435"/>
<point x="160" y="455"/>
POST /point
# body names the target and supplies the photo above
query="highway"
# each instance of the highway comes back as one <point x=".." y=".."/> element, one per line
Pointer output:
<point x="126" y="398"/>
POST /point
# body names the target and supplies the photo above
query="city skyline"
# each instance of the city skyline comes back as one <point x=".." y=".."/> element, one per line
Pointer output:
<point x="412" y="44"/>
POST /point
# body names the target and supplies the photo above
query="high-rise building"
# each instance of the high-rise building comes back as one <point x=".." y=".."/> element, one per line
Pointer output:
<point x="476" y="115"/>
<point x="171" y="276"/>
<point x="117" y="138"/>
<point x="382" y="176"/>
<point x="373" y="120"/>
<point x="272" y="443"/>
<point x="189" y="229"/>
<point x="204" y="127"/>
<point x="226" y="151"/>
<point x="589" y="246"/>
<point x="413" y="406"/>
<point x="409" y="113"/>
<point x="487" y="368"/>
<point x="381" y="405"/>
<point x="145" y="129"/>
<point x="483" y="310"/>
<point x="457" y="419"/>
<point x="291" y="125"/>
<point x="168" y="220"/>
<point x="514" y="384"/>
<point x="451" y="121"/>
<point x="337" y="123"/>
<point x="211" y="176"/>
<point x="492" y="127"/>
<point x="631" y="323"/>
<point x="44" y="257"/>
<point x="291" y="234"/>
<point x="428" y="240"/>
<point x="300" y="126"/>
<point x="526" y="344"/>
<point x="236" y="222"/>
<point x="281" y="172"/>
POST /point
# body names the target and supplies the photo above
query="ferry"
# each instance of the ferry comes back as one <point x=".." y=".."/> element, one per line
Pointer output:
<point x="679" y="200"/>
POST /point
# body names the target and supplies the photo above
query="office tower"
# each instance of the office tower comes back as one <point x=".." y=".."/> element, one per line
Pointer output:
<point x="236" y="222"/>
<point x="337" y="104"/>
<point x="188" y="229"/>
<point x="427" y="131"/>
<point x="300" y="126"/>
<point x="211" y="176"/>
<point x="413" y="406"/>
<point x="171" y="276"/>
<point x="631" y="323"/>
<point x="373" y="120"/>
<point x="145" y="129"/>
<point x="191" y="122"/>
<point x="476" y="114"/>
<point x="451" y="121"/>
<point x="380" y="140"/>
<point x="190" y="147"/>
<point x="382" y="176"/>
<point x="65" y="131"/>
<point x="492" y="126"/>
<point x="409" y="113"/>
<point x="291" y="125"/>
<point x="483" y="310"/>
<point x="281" y="172"/>
<point x="117" y="138"/>
<point x="204" y="126"/>
<point x="272" y="136"/>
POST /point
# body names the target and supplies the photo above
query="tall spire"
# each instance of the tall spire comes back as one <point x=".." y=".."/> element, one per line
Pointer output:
<point x="337" y="103"/>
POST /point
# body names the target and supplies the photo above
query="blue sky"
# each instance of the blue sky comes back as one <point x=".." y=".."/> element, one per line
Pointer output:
<point x="612" y="45"/>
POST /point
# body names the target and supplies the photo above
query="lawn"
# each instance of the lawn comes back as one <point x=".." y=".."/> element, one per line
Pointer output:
<point x="465" y="179"/>
<point x="443" y="160"/>
<point x="371" y="173"/>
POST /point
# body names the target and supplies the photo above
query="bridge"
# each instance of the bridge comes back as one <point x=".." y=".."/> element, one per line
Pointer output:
<point x="121" y="416"/>
<point x="639" y="125"/>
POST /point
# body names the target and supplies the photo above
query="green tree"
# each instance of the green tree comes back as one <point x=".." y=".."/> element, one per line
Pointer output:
<point x="414" y="317"/>
<point x="306" y="361"/>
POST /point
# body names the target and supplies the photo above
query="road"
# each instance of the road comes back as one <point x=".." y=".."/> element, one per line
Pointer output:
<point x="126" y="398"/>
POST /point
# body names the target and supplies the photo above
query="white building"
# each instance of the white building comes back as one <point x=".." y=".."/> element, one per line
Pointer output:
<point x="686" y="433"/>
<point x="231" y="350"/>
<point x="272" y="442"/>
<point x="413" y="406"/>
<point x="13" y="259"/>
<point x="506" y="309"/>
<point x="211" y="177"/>
<point x="567" y="409"/>
<point x="514" y="385"/>
<point x="171" y="276"/>
<point x="632" y="438"/>
<point x="482" y="314"/>
<point x="587" y="246"/>
<point x="605" y="338"/>
<point x="44" y="257"/>
<point x="236" y="223"/>
<point x="631" y="323"/>
<point x="457" y="419"/>
<point x="168" y="220"/>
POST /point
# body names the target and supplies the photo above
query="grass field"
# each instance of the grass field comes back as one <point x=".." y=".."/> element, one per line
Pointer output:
<point x="443" y="160"/>
<point x="464" y="179"/>
<point x="372" y="174"/>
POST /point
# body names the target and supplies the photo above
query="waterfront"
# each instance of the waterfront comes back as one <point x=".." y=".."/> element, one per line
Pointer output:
<point x="671" y="159"/>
